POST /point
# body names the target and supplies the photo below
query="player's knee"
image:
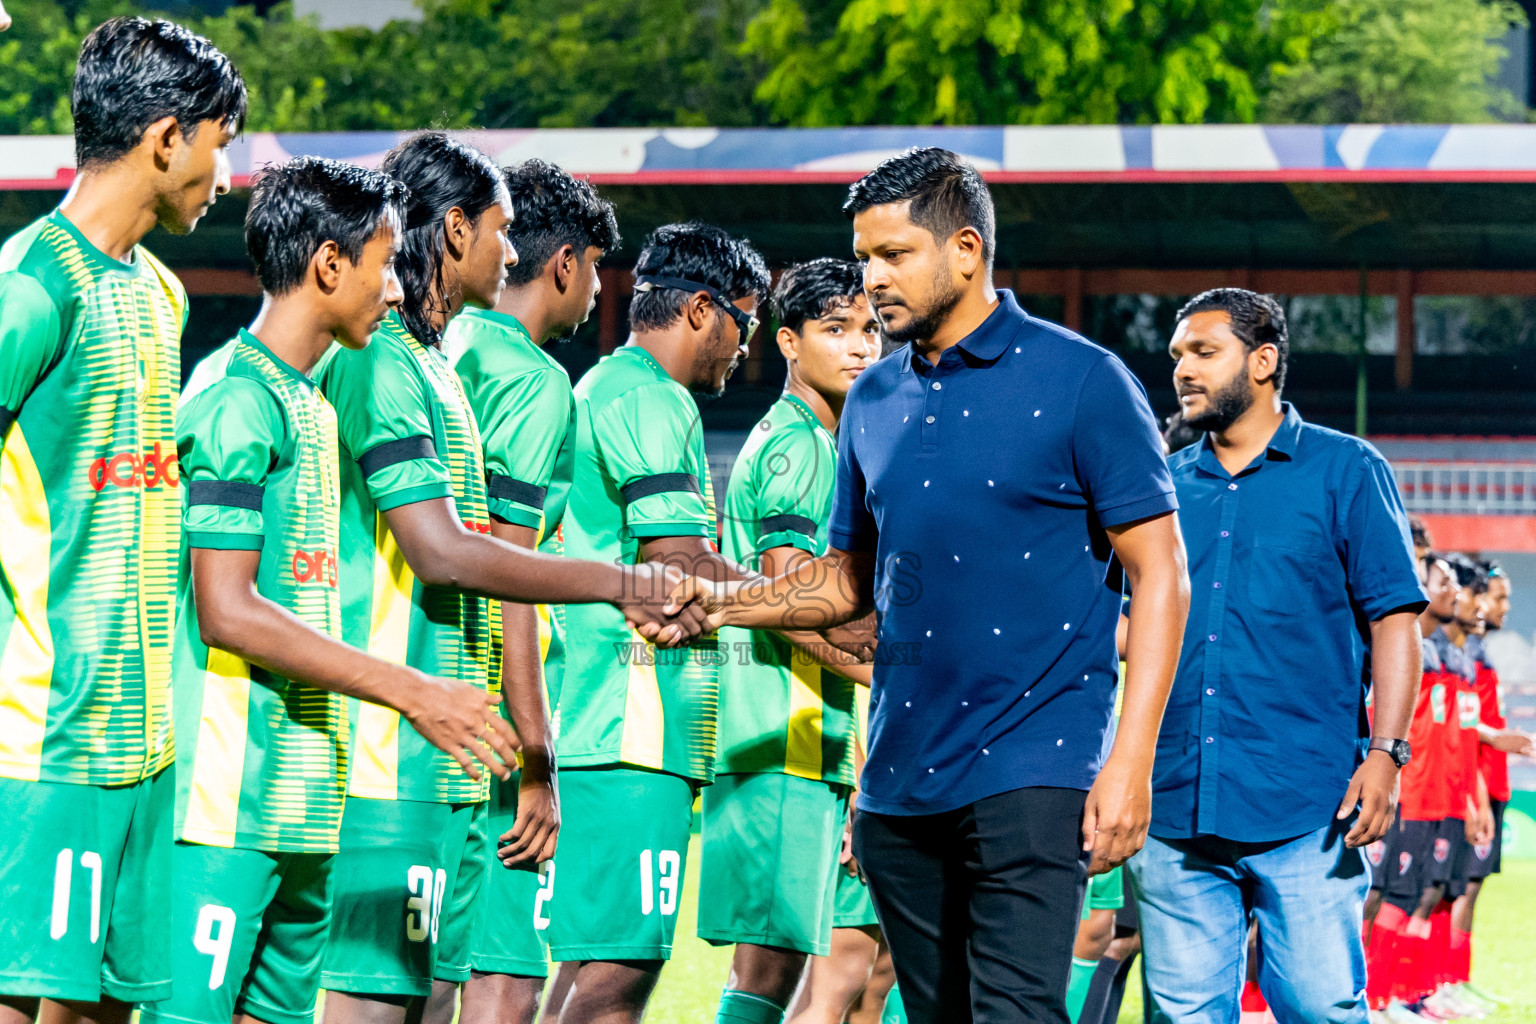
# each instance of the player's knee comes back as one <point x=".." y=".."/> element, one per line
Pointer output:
<point x="767" y="971"/>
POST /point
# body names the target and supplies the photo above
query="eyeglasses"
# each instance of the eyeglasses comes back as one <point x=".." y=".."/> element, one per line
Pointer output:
<point x="746" y="321"/>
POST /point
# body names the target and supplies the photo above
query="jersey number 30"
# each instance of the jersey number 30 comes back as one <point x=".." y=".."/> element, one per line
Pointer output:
<point x="424" y="904"/>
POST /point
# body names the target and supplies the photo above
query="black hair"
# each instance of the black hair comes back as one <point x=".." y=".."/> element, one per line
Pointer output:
<point x="812" y="290"/>
<point x="1419" y="531"/>
<point x="693" y="252"/>
<point x="1493" y="570"/>
<point x="946" y="193"/>
<point x="1467" y="572"/>
<point x="1256" y="319"/>
<point x="298" y="206"/>
<point x="441" y="173"/>
<point x="132" y="72"/>
<point x="551" y="209"/>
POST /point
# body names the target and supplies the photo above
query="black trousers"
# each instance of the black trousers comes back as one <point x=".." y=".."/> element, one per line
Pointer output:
<point x="980" y="905"/>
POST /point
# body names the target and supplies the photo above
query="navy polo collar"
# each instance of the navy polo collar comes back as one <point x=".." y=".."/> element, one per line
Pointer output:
<point x="991" y="337"/>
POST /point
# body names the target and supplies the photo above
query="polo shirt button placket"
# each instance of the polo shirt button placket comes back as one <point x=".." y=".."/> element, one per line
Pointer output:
<point x="933" y="396"/>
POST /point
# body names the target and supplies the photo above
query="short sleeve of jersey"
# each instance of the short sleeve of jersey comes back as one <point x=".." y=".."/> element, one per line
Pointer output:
<point x="384" y="421"/>
<point x="643" y="439"/>
<point x="228" y="437"/>
<point x="521" y="423"/>
<point x="794" y="476"/>
<point x="1117" y="447"/>
<point x="29" y="340"/>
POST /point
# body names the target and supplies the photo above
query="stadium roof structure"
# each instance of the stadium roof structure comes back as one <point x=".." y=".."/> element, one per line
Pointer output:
<point x="1006" y="154"/>
<point x="1083" y="212"/>
<point x="1298" y="197"/>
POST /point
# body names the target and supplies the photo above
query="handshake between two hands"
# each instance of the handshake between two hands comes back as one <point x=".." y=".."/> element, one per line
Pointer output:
<point x="671" y="609"/>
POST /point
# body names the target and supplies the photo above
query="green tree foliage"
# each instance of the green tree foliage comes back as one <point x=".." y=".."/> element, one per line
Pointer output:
<point x="480" y="63"/>
<point x="577" y="63"/>
<point x="1024" y="61"/>
<point x="1394" y="61"/>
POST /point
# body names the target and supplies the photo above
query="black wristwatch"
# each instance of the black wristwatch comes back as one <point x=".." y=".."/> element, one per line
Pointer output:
<point x="1398" y="750"/>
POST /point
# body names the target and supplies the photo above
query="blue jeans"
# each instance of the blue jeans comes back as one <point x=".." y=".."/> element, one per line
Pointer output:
<point x="1195" y="896"/>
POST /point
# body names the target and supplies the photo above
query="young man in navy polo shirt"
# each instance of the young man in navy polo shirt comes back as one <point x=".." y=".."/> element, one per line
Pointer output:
<point x="1303" y="576"/>
<point x="991" y="459"/>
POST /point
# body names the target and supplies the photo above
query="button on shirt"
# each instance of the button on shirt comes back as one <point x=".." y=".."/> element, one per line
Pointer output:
<point x="1290" y="560"/>
<point x="984" y="485"/>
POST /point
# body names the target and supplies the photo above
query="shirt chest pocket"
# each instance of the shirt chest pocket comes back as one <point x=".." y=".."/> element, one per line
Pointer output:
<point x="1283" y="572"/>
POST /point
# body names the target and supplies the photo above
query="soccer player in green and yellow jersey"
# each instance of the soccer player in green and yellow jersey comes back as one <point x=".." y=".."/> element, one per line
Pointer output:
<point x="419" y="570"/>
<point x="260" y="673"/>
<point x="784" y="767"/>
<point x="522" y="400"/>
<point x="637" y="727"/>
<point x="90" y="370"/>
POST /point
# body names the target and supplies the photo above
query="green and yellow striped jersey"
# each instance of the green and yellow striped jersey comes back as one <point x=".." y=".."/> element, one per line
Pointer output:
<point x="407" y="435"/>
<point x="263" y="760"/>
<point x="780" y="711"/>
<point x="640" y="472"/>
<point x="522" y="401"/>
<point x="90" y="496"/>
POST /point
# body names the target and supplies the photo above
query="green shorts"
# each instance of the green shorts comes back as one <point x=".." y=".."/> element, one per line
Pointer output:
<point x="1105" y="892"/>
<point x="248" y="929"/>
<point x="83" y="886"/>
<point x="854" y="907"/>
<point x="407" y="878"/>
<point x="769" y="861"/>
<point x="618" y="875"/>
<point x="508" y="932"/>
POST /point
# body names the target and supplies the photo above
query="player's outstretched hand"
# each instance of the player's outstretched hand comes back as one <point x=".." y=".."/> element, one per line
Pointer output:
<point x="536" y="831"/>
<point x="462" y="721"/>
<point x="1117" y="814"/>
<point x="1374" y="790"/>
<point x="697" y="592"/>
<point x="1513" y="741"/>
<point x="648" y="607"/>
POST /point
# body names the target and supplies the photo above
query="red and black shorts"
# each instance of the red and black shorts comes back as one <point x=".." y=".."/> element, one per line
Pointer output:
<point x="1406" y="862"/>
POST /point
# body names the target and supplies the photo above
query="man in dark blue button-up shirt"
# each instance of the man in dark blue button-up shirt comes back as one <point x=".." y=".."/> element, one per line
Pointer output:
<point x="1304" y="590"/>
<point x="994" y="473"/>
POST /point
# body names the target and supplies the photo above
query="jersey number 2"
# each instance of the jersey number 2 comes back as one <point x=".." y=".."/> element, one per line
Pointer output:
<point x="546" y="893"/>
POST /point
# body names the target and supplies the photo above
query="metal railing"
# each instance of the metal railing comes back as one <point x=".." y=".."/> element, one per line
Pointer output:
<point x="1468" y="488"/>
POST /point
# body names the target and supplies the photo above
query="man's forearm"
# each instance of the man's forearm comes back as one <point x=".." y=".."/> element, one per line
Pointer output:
<point x="1153" y="641"/>
<point x="265" y="634"/>
<point x="1396" y="667"/>
<point x="522" y="685"/>
<point x="490" y="567"/>
<point x="440" y="551"/>
<point x="817" y="594"/>
<point x="814" y="647"/>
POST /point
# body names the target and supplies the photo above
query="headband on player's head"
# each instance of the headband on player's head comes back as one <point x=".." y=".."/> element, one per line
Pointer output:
<point x="745" y="321"/>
